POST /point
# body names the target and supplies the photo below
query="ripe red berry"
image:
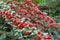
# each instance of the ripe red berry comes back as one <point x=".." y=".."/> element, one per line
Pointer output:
<point x="39" y="36"/>
<point x="36" y="20"/>
<point x="11" y="2"/>
<point x="27" y="32"/>
<point x="6" y="12"/>
<point x="25" y="13"/>
<point x="12" y="25"/>
<point x="19" y="16"/>
<point x="42" y="16"/>
<point x="20" y="11"/>
<point x="21" y="5"/>
<point x="27" y="6"/>
<point x="15" y="21"/>
<point x="30" y="3"/>
<point x="2" y="14"/>
<point x="11" y="16"/>
<point x="19" y="26"/>
<point x="47" y="19"/>
<point x="24" y="24"/>
<point x="38" y="6"/>
<point x="31" y="24"/>
<point x="51" y="21"/>
<point x="32" y="9"/>
<point x="47" y="37"/>
<point x="12" y="7"/>
<point x="40" y="23"/>
<point x="38" y="12"/>
<point x="26" y="0"/>
<point x="39" y="32"/>
<point x="5" y="17"/>
<point x="50" y="25"/>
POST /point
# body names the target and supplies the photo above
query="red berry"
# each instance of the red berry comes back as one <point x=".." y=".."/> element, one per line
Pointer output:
<point x="2" y="6"/>
<point x="51" y="21"/>
<point x="24" y="24"/>
<point x="31" y="12"/>
<point x="40" y="23"/>
<point x="27" y="6"/>
<point x="42" y="16"/>
<point x="36" y="19"/>
<point x="26" y="0"/>
<point x="39" y="36"/>
<point x="39" y="32"/>
<point x="27" y="32"/>
<point x="5" y="17"/>
<point x="38" y="12"/>
<point x="19" y="16"/>
<point x="11" y="2"/>
<point x="12" y="7"/>
<point x="38" y="6"/>
<point x="31" y="3"/>
<point x="37" y="25"/>
<point x="31" y="24"/>
<point x="20" y="11"/>
<point x="19" y="26"/>
<point x="50" y="25"/>
<point x="15" y="21"/>
<point x="21" y="5"/>
<point x="6" y="12"/>
<point x="32" y="9"/>
<point x="25" y="13"/>
<point x="47" y="19"/>
<point x="47" y="37"/>
<point x="2" y="13"/>
<point x="12" y="25"/>
<point x="11" y="16"/>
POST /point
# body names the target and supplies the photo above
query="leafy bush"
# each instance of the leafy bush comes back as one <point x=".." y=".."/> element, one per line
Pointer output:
<point x="24" y="21"/>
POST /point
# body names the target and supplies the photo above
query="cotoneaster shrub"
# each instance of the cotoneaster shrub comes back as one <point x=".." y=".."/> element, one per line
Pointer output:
<point x="27" y="21"/>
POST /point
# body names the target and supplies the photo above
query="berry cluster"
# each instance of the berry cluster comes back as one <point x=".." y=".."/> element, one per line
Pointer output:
<point x="26" y="18"/>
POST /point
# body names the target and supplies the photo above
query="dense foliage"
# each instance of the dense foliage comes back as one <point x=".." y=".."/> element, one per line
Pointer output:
<point x="26" y="21"/>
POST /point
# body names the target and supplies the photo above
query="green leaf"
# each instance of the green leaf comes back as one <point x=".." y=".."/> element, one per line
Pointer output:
<point x="52" y="38"/>
<point x="20" y="0"/>
<point x="57" y="34"/>
<point x="39" y="1"/>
